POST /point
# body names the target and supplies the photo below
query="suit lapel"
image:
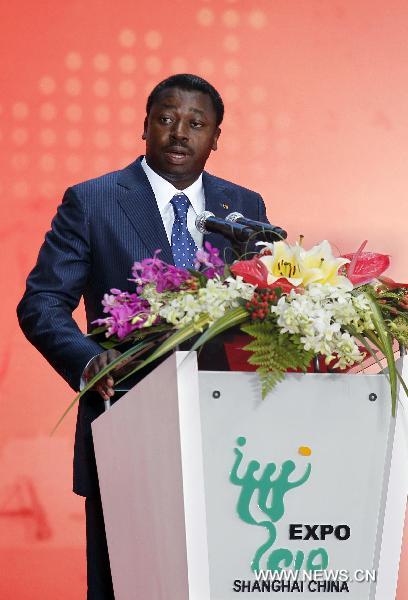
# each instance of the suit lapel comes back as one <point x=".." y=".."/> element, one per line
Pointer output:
<point x="141" y="208"/>
<point x="217" y="202"/>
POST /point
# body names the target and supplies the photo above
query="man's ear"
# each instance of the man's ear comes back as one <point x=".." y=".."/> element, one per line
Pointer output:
<point x="215" y="140"/>
<point x="144" y="129"/>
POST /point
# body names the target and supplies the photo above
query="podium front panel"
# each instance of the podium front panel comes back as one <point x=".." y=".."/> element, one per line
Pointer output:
<point x="297" y="480"/>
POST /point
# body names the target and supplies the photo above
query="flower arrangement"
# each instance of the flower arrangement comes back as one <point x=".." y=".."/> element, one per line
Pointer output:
<point x="294" y="303"/>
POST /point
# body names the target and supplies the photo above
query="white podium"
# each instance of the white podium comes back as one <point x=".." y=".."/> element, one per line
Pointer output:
<point x="203" y="482"/>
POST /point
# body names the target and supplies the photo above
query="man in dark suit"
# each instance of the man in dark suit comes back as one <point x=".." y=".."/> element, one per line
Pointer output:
<point x="100" y="229"/>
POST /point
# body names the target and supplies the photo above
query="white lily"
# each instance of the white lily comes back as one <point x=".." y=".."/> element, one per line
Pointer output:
<point x="321" y="266"/>
<point x="286" y="261"/>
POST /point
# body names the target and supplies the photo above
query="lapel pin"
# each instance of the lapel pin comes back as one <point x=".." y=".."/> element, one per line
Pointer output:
<point x="225" y="206"/>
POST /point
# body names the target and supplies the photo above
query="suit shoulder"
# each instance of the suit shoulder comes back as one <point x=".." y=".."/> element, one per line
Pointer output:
<point x="224" y="183"/>
<point x="102" y="182"/>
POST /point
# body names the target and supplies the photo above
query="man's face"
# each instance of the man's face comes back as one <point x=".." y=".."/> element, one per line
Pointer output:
<point x="180" y="133"/>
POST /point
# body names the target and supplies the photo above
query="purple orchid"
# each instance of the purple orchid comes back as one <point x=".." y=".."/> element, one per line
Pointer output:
<point x="153" y="270"/>
<point x="129" y="312"/>
<point x="123" y="308"/>
<point x="209" y="261"/>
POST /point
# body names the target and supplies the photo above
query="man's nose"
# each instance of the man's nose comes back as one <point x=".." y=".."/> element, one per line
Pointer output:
<point x="179" y="131"/>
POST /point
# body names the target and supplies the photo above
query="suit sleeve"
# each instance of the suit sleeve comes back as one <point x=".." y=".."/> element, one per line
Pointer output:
<point x="262" y="210"/>
<point x="54" y="288"/>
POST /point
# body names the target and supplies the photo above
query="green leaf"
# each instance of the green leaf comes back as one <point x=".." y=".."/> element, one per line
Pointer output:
<point x="377" y="343"/>
<point x="96" y="331"/>
<point x="360" y="337"/>
<point x="201" y="277"/>
<point x="274" y="353"/>
<point x="129" y="353"/>
<point x="148" y="331"/>
<point x="108" y="344"/>
<point x="136" y="335"/>
<point x="398" y="327"/>
<point x="230" y="319"/>
<point x="386" y="343"/>
<point x="180" y="336"/>
<point x="269" y="379"/>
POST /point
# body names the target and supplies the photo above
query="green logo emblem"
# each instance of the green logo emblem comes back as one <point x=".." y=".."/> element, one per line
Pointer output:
<point x="267" y="490"/>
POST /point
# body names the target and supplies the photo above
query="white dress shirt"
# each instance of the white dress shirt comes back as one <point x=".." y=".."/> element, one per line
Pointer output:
<point x="164" y="191"/>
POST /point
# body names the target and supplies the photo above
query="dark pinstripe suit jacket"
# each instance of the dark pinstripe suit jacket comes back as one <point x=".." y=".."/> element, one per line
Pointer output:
<point x="101" y="228"/>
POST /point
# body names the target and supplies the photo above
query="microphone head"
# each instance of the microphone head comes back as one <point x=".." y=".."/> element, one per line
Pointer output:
<point x="201" y="219"/>
<point x="233" y="217"/>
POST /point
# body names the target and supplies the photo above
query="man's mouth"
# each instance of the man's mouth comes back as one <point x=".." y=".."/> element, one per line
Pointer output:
<point x="176" y="153"/>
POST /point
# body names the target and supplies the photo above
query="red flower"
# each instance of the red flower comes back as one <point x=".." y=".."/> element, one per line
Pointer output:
<point x="365" y="266"/>
<point x="254" y="271"/>
<point x="391" y="284"/>
<point x="283" y="284"/>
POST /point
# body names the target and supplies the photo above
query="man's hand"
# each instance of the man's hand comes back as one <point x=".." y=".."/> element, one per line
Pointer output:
<point x="104" y="386"/>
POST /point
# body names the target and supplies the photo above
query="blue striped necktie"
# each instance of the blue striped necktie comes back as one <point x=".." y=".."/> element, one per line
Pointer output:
<point x="182" y="244"/>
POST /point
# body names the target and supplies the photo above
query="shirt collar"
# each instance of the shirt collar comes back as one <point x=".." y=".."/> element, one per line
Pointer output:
<point x="164" y="190"/>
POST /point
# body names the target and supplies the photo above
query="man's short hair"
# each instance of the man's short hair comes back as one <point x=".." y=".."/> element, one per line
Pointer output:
<point x="188" y="82"/>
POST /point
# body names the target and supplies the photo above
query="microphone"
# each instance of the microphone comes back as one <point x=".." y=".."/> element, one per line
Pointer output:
<point x="270" y="232"/>
<point x="207" y="222"/>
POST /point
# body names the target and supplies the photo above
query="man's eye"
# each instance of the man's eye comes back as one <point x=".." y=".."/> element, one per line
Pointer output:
<point x="165" y="120"/>
<point x="197" y="124"/>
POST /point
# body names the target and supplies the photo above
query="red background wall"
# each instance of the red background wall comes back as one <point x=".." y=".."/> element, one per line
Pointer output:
<point x="316" y="120"/>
